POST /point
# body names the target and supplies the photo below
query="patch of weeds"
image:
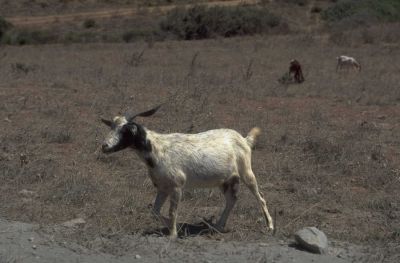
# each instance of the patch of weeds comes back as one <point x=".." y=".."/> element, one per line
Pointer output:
<point x="201" y="22"/>
<point x="134" y="35"/>
<point x="135" y="59"/>
<point x="363" y="11"/>
<point x="323" y="151"/>
<point x="339" y="38"/>
<point x="81" y="37"/>
<point x="297" y="2"/>
<point x="316" y="9"/>
<point x="395" y="234"/>
<point x="111" y="160"/>
<point x="57" y="135"/>
<point x="248" y="73"/>
<point x="20" y="67"/>
<point x="29" y="37"/>
<point x="377" y="155"/>
<point x="286" y="79"/>
<point x="4" y="27"/>
<point x="73" y="190"/>
<point x="89" y="23"/>
<point x="367" y="37"/>
<point x="379" y="204"/>
<point x="34" y="171"/>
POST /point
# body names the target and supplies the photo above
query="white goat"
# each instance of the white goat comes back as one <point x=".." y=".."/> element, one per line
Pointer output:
<point x="215" y="158"/>
<point x="345" y="61"/>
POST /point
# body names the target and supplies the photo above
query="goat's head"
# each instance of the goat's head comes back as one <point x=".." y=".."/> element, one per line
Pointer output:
<point x="126" y="133"/>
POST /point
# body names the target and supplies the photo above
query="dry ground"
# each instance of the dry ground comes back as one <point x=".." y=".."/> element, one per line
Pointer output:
<point x="328" y="156"/>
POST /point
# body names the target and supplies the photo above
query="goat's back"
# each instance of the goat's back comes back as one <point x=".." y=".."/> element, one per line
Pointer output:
<point x="206" y="159"/>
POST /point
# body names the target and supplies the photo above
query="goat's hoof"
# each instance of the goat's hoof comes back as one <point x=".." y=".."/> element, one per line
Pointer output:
<point x="223" y="230"/>
<point x="173" y="236"/>
<point x="220" y="229"/>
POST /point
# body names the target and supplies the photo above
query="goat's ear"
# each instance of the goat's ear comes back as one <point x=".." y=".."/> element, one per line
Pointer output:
<point x="107" y="122"/>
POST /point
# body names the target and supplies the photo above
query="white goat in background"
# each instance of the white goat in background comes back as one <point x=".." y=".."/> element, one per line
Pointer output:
<point x="215" y="158"/>
<point x="349" y="62"/>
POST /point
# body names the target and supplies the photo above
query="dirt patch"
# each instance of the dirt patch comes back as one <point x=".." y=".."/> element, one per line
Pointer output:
<point x="21" y="242"/>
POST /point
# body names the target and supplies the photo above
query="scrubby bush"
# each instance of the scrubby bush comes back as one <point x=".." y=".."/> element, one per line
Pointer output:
<point x="201" y="22"/>
<point x="89" y="23"/>
<point x="297" y="2"/>
<point x="4" y="26"/>
<point x="27" y="37"/>
<point x="316" y="9"/>
<point x="363" y="11"/>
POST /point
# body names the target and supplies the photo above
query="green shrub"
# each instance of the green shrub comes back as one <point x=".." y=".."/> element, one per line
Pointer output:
<point x="132" y="35"/>
<point x="363" y="11"/>
<point x="201" y="22"/>
<point x="89" y="23"/>
<point x="26" y="37"/>
<point x="297" y="2"/>
<point x="81" y="37"/>
<point x="4" y="26"/>
<point x="316" y="9"/>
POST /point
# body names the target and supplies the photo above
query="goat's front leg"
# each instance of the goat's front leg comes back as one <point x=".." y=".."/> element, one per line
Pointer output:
<point x="175" y="197"/>
<point x="158" y="203"/>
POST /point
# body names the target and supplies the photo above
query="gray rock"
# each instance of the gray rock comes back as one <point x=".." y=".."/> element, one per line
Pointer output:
<point x="312" y="239"/>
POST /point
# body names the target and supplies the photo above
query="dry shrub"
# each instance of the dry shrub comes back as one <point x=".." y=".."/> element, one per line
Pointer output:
<point x="72" y="190"/>
<point x="201" y="22"/>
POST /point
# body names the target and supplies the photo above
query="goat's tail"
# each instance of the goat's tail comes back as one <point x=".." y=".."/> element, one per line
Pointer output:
<point x="252" y="135"/>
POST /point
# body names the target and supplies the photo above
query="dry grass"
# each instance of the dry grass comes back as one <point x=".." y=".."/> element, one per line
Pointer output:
<point x="328" y="157"/>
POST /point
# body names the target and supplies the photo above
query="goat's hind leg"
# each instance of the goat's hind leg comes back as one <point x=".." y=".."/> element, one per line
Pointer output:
<point x="230" y="190"/>
<point x="250" y="180"/>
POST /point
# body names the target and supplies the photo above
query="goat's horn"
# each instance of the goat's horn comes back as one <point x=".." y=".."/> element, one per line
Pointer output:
<point x="148" y="113"/>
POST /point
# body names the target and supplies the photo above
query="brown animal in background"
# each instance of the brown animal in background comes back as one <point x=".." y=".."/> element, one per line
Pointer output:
<point x="295" y="69"/>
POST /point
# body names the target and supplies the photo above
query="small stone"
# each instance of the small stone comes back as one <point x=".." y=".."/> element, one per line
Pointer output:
<point x="34" y="247"/>
<point x="74" y="222"/>
<point x="138" y="257"/>
<point x="27" y="193"/>
<point x="312" y="239"/>
<point x="30" y="239"/>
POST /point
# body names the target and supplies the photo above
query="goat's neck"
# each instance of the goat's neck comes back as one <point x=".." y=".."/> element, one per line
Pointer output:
<point x="156" y="140"/>
<point x="151" y="154"/>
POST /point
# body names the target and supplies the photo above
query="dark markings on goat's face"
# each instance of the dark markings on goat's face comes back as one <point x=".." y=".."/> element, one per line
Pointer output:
<point x="120" y="136"/>
<point x="123" y="135"/>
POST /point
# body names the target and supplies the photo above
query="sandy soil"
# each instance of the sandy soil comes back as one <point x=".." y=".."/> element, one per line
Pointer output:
<point x="21" y="242"/>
